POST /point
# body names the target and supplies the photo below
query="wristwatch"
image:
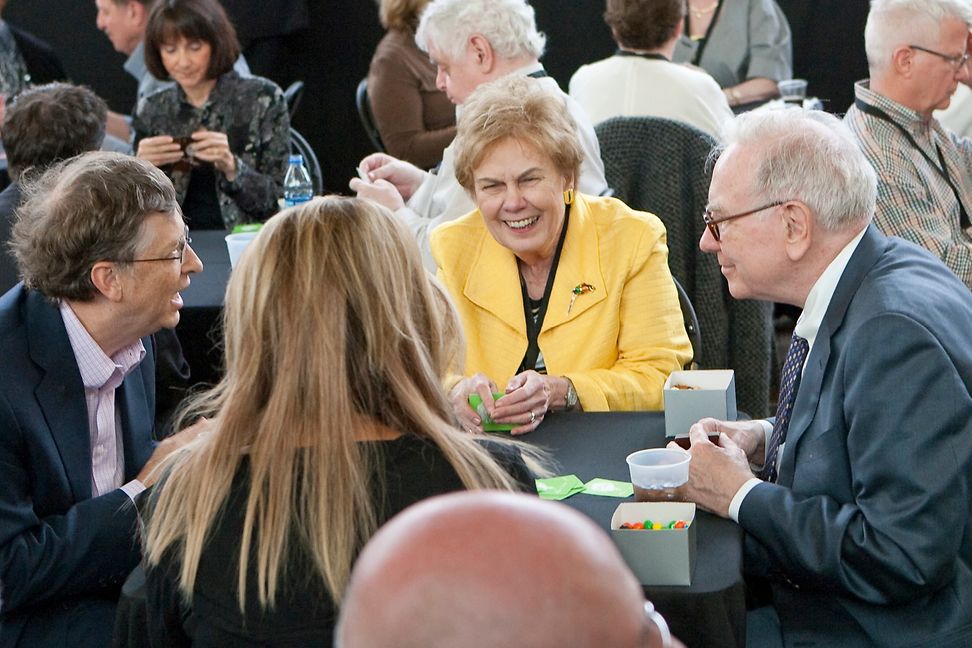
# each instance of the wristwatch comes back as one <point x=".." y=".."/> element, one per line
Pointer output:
<point x="570" y="398"/>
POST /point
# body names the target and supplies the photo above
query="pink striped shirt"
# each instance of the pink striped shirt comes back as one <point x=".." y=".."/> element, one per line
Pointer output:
<point x="101" y="375"/>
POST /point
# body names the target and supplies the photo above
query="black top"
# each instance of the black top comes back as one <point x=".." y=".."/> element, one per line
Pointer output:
<point x="305" y="615"/>
<point x="201" y="205"/>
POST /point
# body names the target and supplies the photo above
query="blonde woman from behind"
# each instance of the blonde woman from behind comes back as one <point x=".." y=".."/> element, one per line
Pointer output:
<point x="331" y="418"/>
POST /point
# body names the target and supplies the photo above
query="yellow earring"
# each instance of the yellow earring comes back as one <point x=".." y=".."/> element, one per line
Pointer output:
<point x="569" y="196"/>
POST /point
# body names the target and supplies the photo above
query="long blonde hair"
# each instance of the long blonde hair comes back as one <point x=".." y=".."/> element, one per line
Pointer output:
<point x="332" y="326"/>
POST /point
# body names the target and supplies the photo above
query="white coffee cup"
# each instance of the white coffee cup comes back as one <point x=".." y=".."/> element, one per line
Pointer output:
<point x="236" y="243"/>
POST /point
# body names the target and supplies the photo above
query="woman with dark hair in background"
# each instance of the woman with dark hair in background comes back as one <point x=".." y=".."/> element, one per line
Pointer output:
<point x="416" y="120"/>
<point x="223" y="139"/>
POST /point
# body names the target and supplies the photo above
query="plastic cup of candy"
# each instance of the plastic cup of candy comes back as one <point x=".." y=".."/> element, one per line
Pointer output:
<point x="657" y="474"/>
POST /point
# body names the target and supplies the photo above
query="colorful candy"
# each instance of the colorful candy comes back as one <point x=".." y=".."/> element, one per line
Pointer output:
<point x="654" y="526"/>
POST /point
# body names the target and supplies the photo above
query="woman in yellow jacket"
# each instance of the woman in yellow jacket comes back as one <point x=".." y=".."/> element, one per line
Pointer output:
<point x="564" y="298"/>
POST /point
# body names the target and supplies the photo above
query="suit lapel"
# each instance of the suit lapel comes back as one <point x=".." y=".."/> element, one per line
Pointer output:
<point x="60" y="392"/>
<point x="580" y="263"/>
<point x="135" y="402"/>
<point x="493" y="282"/>
<point x="804" y="409"/>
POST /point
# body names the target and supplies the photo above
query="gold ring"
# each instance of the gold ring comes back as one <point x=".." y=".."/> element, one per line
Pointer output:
<point x="533" y="416"/>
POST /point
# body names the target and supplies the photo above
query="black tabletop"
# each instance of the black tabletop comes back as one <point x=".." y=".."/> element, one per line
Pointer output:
<point x="712" y="610"/>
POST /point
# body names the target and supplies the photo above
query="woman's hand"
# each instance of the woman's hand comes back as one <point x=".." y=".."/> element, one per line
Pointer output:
<point x="213" y="147"/>
<point x="526" y="402"/>
<point x="159" y="150"/>
<point x="479" y="384"/>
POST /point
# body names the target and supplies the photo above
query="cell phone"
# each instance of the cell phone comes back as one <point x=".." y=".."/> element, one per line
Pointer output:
<point x="183" y="142"/>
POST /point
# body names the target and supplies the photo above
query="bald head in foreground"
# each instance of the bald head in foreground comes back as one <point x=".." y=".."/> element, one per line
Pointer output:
<point x="495" y="569"/>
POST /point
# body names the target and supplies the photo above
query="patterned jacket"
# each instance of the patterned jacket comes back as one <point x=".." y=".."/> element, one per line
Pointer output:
<point x="253" y="114"/>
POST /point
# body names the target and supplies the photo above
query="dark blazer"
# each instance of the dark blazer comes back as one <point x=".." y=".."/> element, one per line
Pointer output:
<point x="63" y="553"/>
<point x="43" y="66"/>
<point x="867" y="537"/>
<point x="9" y="201"/>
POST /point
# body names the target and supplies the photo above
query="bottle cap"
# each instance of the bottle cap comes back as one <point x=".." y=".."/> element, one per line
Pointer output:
<point x="296" y="159"/>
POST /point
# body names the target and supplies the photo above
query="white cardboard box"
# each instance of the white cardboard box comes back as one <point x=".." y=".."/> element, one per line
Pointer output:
<point x="663" y="557"/>
<point x="714" y="396"/>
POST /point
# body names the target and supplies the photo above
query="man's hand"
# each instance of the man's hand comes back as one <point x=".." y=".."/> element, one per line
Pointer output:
<point x="715" y="472"/>
<point x="380" y="191"/>
<point x="747" y="435"/>
<point x="167" y="446"/>
<point x="404" y="176"/>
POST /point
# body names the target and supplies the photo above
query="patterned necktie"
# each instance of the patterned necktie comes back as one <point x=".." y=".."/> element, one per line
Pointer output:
<point x="789" y="383"/>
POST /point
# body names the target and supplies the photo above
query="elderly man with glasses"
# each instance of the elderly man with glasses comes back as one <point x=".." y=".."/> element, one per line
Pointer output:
<point x="104" y="253"/>
<point x="855" y="497"/>
<point x="918" y="53"/>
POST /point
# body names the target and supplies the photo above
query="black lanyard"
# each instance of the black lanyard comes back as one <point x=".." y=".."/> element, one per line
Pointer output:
<point x="708" y="32"/>
<point x="876" y="112"/>
<point x="533" y="326"/>
<point x="646" y="55"/>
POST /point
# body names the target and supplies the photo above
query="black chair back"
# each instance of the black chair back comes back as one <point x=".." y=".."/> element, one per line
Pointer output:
<point x="659" y="166"/>
<point x="364" y="113"/>
<point x="293" y="95"/>
<point x="299" y="145"/>
<point x="691" y="321"/>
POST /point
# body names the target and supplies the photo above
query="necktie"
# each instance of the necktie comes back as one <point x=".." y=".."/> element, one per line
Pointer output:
<point x="789" y="383"/>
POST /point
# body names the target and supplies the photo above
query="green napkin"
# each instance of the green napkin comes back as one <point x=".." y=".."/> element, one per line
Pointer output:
<point x="476" y="402"/>
<point x="608" y="488"/>
<point x="559" y="488"/>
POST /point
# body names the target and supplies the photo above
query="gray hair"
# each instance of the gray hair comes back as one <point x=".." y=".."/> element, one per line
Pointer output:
<point x="810" y="156"/>
<point x="893" y="23"/>
<point x="509" y="25"/>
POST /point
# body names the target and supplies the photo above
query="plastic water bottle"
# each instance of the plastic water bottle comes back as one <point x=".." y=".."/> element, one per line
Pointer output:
<point x="297" y="183"/>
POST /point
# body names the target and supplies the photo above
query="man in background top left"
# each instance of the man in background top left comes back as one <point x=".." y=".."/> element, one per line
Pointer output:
<point x="102" y="247"/>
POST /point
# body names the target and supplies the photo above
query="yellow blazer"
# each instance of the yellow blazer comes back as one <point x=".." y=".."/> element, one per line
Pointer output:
<point x="617" y="344"/>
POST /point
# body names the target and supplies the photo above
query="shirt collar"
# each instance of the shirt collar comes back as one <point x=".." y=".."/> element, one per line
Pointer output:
<point x="95" y="366"/>
<point x="135" y="64"/>
<point x="912" y="120"/>
<point x="818" y="299"/>
<point x="530" y="69"/>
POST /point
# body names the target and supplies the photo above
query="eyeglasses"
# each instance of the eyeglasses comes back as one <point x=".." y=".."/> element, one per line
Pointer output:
<point x="182" y="252"/>
<point x="652" y="615"/>
<point x="713" y="223"/>
<point x="956" y="61"/>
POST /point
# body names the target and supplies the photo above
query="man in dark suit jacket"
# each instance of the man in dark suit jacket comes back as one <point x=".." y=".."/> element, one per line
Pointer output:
<point x="860" y="521"/>
<point x="102" y="247"/>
